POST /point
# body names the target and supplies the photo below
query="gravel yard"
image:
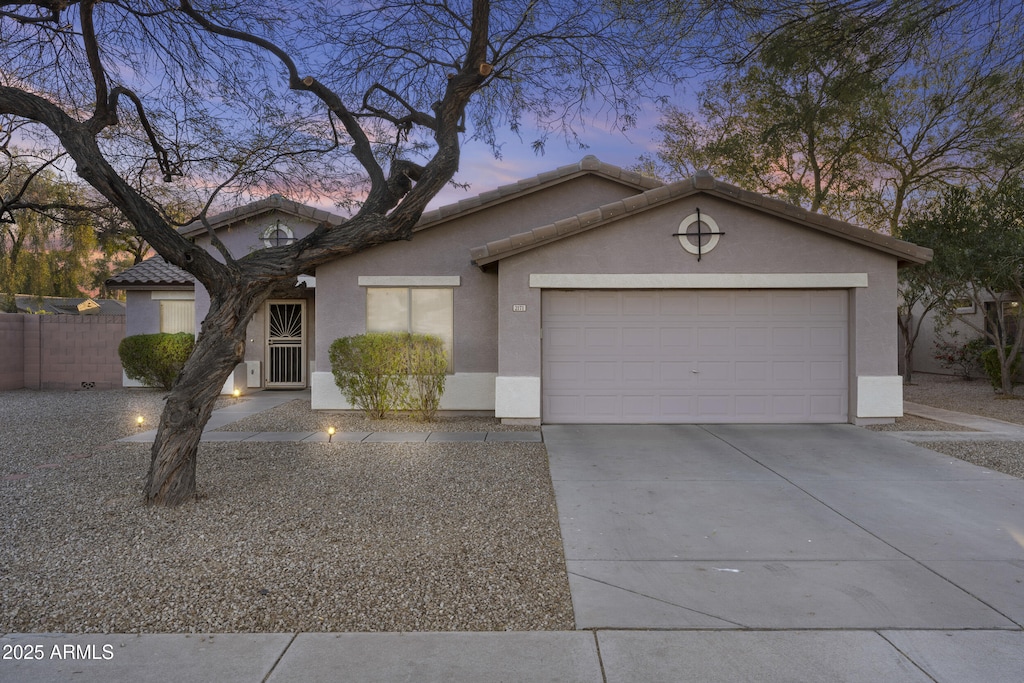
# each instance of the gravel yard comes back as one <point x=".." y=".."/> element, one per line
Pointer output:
<point x="305" y="537"/>
<point x="975" y="397"/>
<point x="283" y="538"/>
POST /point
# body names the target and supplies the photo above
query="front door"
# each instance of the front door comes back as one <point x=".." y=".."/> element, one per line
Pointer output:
<point x="286" y="358"/>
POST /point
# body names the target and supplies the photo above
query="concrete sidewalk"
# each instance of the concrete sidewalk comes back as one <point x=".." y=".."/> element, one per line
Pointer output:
<point x="987" y="428"/>
<point x="916" y="656"/>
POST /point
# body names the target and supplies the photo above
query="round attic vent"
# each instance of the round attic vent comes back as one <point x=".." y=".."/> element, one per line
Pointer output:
<point x="698" y="233"/>
<point x="277" y="235"/>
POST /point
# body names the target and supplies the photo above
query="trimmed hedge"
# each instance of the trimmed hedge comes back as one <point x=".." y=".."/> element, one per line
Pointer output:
<point x="155" y="360"/>
<point x="380" y="372"/>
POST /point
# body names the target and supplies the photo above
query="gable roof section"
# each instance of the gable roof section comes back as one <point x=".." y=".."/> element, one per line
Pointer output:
<point x="152" y="273"/>
<point x="274" y="202"/>
<point x="701" y="182"/>
<point x="589" y="165"/>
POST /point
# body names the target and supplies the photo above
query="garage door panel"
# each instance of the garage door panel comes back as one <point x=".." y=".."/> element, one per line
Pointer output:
<point x="695" y="356"/>
<point x="636" y="304"/>
<point x="828" y="338"/>
<point x="638" y="339"/>
<point x="752" y="372"/>
<point x="752" y="337"/>
<point x="714" y="338"/>
<point x="752" y="304"/>
<point x="562" y="337"/>
<point x="638" y="371"/>
<point x="786" y="339"/>
<point x="600" y="372"/>
<point x="602" y="303"/>
<point x="790" y="304"/>
<point x="601" y="337"/>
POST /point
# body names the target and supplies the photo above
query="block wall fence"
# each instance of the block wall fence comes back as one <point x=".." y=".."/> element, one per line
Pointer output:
<point x="60" y="351"/>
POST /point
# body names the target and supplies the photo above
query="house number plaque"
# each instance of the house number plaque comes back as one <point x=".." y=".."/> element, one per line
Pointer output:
<point x="518" y="308"/>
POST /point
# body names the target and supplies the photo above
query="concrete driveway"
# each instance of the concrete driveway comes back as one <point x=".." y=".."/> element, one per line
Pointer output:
<point x="783" y="527"/>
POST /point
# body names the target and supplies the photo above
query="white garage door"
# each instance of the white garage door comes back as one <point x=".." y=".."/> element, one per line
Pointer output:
<point x="677" y="356"/>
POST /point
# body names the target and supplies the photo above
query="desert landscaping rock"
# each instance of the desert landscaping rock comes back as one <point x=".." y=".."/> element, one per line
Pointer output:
<point x="975" y="397"/>
<point x="1002" y="456"/>
<point x="282" y="538"/>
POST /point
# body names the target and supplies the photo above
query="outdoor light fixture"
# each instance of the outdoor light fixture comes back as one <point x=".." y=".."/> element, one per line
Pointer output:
<point x="139" y="420"/>
<point x="236" y="393"/>
<point x="330" y="434"/>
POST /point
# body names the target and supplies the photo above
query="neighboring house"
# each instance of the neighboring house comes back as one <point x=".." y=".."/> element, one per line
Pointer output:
<point x="585" y="294"/>
<point x="56" y="305"/>
<point x="926" y="349"/>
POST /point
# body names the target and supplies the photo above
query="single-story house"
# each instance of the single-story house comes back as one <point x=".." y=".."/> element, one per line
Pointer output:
<point x="588" y="294"/>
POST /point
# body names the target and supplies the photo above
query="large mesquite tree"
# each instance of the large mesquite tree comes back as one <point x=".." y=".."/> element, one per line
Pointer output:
<point x="368" y="102"/>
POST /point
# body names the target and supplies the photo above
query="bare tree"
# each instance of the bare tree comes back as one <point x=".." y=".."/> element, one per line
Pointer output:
<point x="227" y="97"/>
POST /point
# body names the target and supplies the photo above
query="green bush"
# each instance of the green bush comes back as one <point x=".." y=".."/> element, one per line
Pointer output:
<point x="155" y="360"/>
<point x="428" y="370"/>
<point x="369" y="369"/>
<point x="380" y="372"/>
<point x="990" y="361"/>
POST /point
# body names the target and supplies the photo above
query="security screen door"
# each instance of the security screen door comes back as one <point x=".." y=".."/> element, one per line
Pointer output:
<point x="286" y="323"/>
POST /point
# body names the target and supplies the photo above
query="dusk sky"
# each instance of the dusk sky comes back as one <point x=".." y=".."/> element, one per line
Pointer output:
<point x="484" y="172"/>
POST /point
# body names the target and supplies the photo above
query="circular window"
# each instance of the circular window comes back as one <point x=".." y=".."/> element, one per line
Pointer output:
<point x="277" y="235"/>
<point x="698" y="233"/>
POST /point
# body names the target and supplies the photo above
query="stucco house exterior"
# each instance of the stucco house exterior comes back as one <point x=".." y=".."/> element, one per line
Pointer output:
<point x="586" y="294"/>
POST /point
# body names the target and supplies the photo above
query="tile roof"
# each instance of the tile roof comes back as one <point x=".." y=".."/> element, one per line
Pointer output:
<point x="154" y="271"/>
<point x="274" y="202"/>
<point x="588" y="165"/>
<point x="701" y="182"/>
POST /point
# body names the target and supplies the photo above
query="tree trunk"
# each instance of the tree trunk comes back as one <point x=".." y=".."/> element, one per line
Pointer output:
<point x="219" y="348"/>
<point x="905" y="324"/>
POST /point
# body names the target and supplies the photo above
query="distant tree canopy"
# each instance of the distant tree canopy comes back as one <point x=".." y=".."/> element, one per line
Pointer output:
<point x="47" y="247"/>
<point x="859" y="109"/>
<point x="978" y="240"/>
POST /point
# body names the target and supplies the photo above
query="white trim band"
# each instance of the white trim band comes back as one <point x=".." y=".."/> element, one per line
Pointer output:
<point x="410" y="280"/>
<point x="698" y="280"/>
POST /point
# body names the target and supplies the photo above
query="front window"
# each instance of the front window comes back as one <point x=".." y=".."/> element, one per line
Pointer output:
<point x="178" y="316"/>
<point x="421" y="310"/>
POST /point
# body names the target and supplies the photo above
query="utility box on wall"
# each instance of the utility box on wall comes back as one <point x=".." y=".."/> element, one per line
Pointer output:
<point x="252" y="374"/>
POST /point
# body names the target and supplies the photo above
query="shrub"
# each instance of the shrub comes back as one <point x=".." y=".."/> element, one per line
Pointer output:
<point x="155" y="360"/>
<point x="428" y="370"/>
<point x="961" y="358"/>
<point x="369" y="369"/>
<point x="990" y="361"/>
<point x="380" y="372"/>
